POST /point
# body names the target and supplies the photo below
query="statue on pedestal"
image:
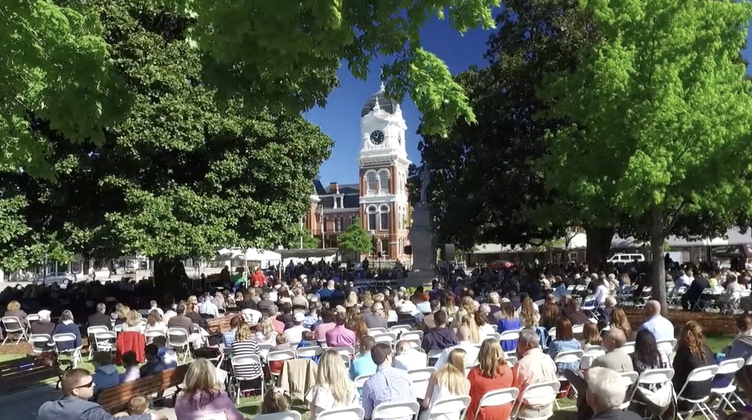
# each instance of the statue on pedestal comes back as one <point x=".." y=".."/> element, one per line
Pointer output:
<point x="421" y="233"/>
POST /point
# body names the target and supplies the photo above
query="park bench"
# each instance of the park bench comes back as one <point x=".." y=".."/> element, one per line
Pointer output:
<point x="219" y="325"/>
<point x="28" y="372"/>
<point x="115" y="399"/>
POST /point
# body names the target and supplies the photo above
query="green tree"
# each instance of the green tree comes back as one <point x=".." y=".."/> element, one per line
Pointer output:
<point x="277" y="56"/>
<point x="491" y="189"/>
<point x="180" y="177"/>
<point x="355" y="240"/>
<point x="660" y="114"/>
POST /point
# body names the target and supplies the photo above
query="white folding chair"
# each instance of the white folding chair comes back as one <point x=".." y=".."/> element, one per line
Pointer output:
<point x="29" y="319"/>
<point x="241" y="371"/>
<point x="105" y="341"/>
<point x="666" y="346"/>
<point x="496" y="398"/>
<point x="90" y="332"/>
<point x="150" y="335"/>
<point x="376" y="330"/>
<point x="312" y="351"/>
<point x="285" y="415"/>
<point x="348" y="351"/>
<point x="412" y="335"/>
<point x="351" y="413"/>
<point x="399" y="329"/>
<point x="629" y="378"/>
<point x="728" y="368"/>
<point x="590" y="355"/>
<point x="278" y="356"/>
<point x="572" y="356"/>
<point x="13" y="326"/>
<point x="511" y="360"/>
<point x="511" y="335"/>
<point x="177" y="339"/>
<point x="540" y="394"/>
<point x="396" y="410"/>
<point x="264" y="349"/>
<point x="40" y="343"/>
<point x="414" y="344"/>
<point x="629" y="347"/>
<point x="701" y="374"/>
<point x="386" y="337"/>
<point x="652" y="379"/>
<point x="454" y="407"/>
<point x="75" y="352"/>
<point x="420" y="378"/>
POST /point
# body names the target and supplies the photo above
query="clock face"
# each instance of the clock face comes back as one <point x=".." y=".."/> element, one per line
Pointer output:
<point x="377" y="137"/>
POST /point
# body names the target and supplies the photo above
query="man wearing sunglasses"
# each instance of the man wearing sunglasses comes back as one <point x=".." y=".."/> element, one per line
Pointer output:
<point x="78" y="388"/>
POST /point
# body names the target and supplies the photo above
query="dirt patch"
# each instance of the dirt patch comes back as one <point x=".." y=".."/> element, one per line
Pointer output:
<point x="712" y="322"/>
<point x="20" y="348"/>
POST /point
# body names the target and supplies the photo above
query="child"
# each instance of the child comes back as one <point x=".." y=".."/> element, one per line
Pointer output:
<point x="137" y="406"/>
<point x="275" y="367"/>
<point x="274" y="401"/>
<point x="308" y="341"/>
<point x="131" y="368"/>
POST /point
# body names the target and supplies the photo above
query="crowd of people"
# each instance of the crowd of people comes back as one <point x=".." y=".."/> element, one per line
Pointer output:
<point x="458" y="327"/>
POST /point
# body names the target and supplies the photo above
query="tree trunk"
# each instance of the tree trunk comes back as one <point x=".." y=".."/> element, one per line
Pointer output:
<point x="169" y="279"/>
<point x="598" y="245"/>
<point x="658" y="273"/>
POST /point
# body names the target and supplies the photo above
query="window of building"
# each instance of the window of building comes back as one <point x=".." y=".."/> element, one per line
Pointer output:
<point x="339" y="222"/>
<point x="371" y="182"/>
<point x="384" y="217"/>
<point x="372" y="217"/>
<point x="323" y="224"/>
<point x="384" y="181"/>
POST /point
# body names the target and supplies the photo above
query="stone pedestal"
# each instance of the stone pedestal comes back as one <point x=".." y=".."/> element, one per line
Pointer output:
<point x="421" y="239"/>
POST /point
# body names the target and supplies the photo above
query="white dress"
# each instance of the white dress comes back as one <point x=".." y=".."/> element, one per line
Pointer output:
<point x="322" y="399"/>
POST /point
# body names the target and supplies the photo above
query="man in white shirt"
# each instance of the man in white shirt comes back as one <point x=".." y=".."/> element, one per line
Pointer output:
<point x="408" y="358"/>
<point x="294" y="334"/>
<point x="660" y="327"/>
<point x="471" y="351"/>
<point x="207" y="307"/>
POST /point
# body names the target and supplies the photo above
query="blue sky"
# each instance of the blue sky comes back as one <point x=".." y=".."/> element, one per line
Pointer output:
<point x="340" y="120"/>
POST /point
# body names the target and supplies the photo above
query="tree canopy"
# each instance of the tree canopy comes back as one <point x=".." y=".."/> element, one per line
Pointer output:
<point x="660" y="116"/>
<point x="355" y="239"/>
<point x="179" y="177"/>
<point x="279" y="57"/>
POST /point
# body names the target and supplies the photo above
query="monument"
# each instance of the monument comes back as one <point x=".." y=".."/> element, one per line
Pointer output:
<point x="421" y="237"/>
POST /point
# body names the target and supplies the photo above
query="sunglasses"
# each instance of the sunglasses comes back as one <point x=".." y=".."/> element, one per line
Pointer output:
<point x="89" y="385"/>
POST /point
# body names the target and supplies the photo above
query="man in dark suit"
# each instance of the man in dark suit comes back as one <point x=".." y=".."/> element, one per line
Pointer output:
<point x="99" y="318"/>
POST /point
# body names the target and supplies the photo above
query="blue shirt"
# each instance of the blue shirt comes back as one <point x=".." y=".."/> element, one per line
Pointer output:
<point x="229" y="337"/>
<point x="509" y="325"/>
<point x="660" y="327"/>
<point x="560" y="346"/>
<point x="362" y="365"/>
<point x="387" y="385"/>
<point x="168" y="357"/>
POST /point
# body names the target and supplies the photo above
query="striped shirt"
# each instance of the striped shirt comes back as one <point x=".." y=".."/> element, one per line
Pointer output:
<point x="245" y="349"/>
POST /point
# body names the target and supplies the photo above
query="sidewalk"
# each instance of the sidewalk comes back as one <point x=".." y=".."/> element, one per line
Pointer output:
<point x="23" y="405"/>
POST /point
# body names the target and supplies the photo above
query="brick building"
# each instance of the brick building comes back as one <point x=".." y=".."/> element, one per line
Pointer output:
<point x="380" y="197"/>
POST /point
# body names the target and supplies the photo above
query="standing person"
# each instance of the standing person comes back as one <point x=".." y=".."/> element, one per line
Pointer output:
<point x="78" y="389"/>
<point x="491" y="374"/>
<point x="387" y="385"/>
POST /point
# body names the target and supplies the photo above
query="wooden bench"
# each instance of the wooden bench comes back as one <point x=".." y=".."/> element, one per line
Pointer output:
<point x="27" y="372"/>
<point x="115" y="399"/>
<point x="219" y="325"/>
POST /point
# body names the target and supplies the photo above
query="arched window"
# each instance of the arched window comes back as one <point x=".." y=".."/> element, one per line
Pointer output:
<point x="371" y="217"/>
<point x="384" y="217"/>
<point x="384" y="248"/>
<point x="400" y="219"/>
<point x="352" y="219"/>
<point x="371" y="182"/>
<point x="384" y="182"/>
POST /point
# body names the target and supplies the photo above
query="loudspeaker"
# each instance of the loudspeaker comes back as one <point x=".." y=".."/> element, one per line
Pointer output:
<point x="408" y="250"/>
<point x="447" y="252"/>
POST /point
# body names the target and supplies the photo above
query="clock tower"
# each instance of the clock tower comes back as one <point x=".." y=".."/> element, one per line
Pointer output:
<point x="383" y="175"/>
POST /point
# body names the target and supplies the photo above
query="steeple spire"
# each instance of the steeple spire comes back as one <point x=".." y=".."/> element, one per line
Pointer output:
<point x="381" y="76"/>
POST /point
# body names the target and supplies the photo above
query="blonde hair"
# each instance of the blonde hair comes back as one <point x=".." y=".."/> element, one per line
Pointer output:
<point x="201" y="381"/>
<point x="468" y="304"/>
<point x="13" y="305"/>
<point x="192" y="299"/>
<point x="619" y="320"/>
<point x="528" y="315"/>
<point x="352" y="300"/>
<point x="123" y="312"/>
<point x="274" y="401"/>
<point x="332" y="375"/>
<point x="243" y="333"/>
<point x="490" y="359"/>
<point x="153" y="318"/>
<point x="457" y="319"/>
<point x="469" y="322"/>
<point x="137" y="405"/>
<point x="452" y="374"/>
<point x="692" y="339"/>
<point x="133" y="319"/>
<point x="267" y="328"/>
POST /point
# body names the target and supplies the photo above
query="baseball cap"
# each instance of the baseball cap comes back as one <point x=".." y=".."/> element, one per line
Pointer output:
<point x="299" y="317"/>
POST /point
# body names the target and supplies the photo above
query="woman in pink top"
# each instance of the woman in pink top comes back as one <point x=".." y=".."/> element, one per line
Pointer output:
<point x="202" y="397"/>
<point x="327" y="323"/>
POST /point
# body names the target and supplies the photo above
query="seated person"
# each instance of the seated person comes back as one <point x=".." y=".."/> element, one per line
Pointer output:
<point x="131" y="368"/>
<point x="105" y="374"/>
<point x="153" y="364"/>
<point x="166" y="355"/>
<point x="136" y="406"/>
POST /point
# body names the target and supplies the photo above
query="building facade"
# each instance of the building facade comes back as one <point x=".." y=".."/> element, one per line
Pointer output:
<point x="379" y="199"/>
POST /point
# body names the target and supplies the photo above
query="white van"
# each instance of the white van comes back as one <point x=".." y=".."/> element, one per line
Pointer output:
<point x="625" y="258"/>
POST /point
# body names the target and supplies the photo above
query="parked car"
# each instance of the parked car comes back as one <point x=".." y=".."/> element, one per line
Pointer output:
<point x="58" y="277"/>
<point x="500" y="265"/>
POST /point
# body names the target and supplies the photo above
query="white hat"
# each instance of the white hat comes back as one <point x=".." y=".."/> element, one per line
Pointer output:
<point x="44" y="313"/>
<point x="298" y="317"/>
